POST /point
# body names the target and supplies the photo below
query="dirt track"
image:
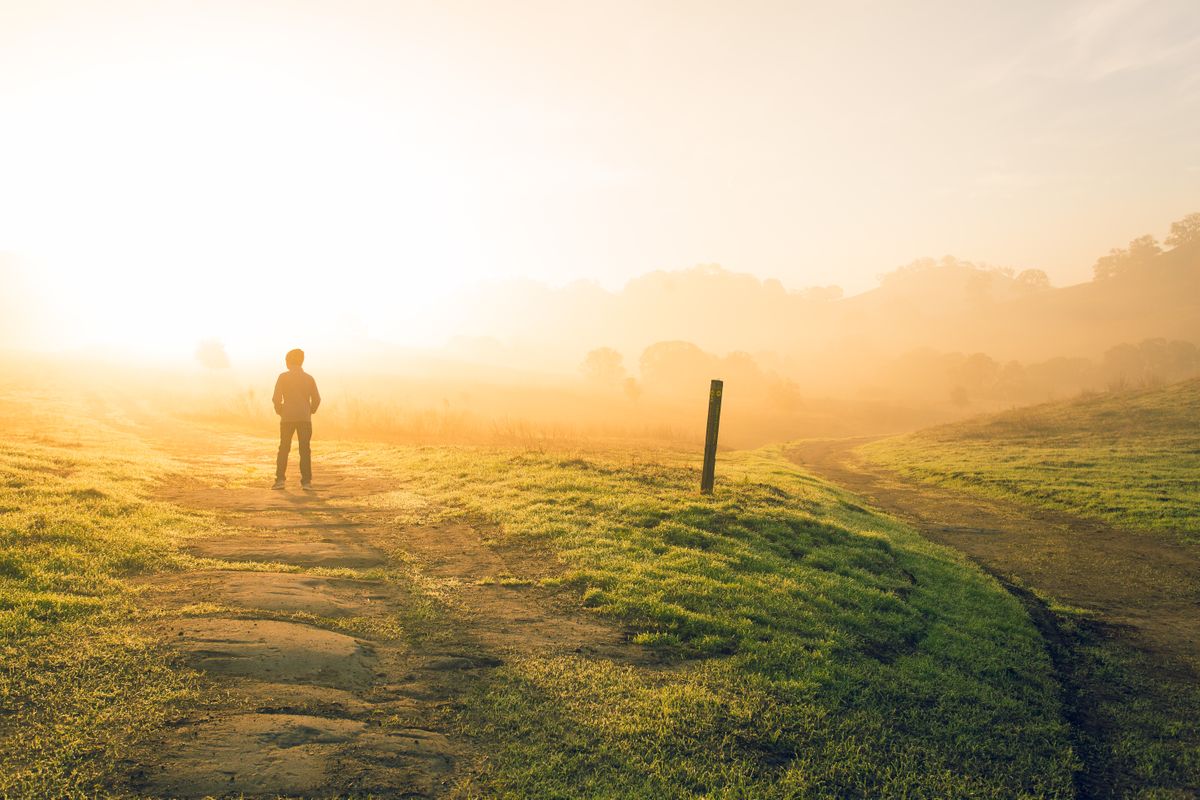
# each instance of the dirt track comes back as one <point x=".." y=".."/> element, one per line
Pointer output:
<point x="1142" y="584"/>
<point x="337" y="640"/>
<point x="1142" y="590"/>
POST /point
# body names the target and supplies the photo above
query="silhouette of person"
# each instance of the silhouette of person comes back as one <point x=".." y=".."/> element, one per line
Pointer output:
<point x="296" y="400"/>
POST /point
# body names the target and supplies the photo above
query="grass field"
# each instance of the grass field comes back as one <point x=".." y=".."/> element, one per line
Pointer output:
<point x="79" y="680"/>
<point x="829" y="652"/>
<point x="1131" y="458"/>
<point x="809" y="647"/>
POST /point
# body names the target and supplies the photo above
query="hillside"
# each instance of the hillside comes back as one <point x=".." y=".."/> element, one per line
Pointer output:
<point x="947" y="305"/>
<point x="936" y="341"/>
<point x="1087" y="509"/>
<point x="1159" y="300"/>
<point x="1127" y="457"/>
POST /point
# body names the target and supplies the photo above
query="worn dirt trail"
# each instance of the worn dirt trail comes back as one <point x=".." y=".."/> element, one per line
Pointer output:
<point x="1144" y="587"/>
<point x="1143" y="590"/>
<point x="336" y="640"/>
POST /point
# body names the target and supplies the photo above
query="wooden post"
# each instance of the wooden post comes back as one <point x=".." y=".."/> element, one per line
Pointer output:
<point x="710" y="436"/>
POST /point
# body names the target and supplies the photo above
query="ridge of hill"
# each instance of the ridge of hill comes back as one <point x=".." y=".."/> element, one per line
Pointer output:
<point x="949" y="305"/>
<point x="1128" y="457"/>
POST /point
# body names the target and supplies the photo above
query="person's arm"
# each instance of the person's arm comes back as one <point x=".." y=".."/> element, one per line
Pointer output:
<point x="277" y="398"/>
<point x="314" y="396"/>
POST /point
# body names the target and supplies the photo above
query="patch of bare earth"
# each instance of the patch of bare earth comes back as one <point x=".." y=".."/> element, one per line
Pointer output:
<point x="1143" y="590"/>
<point x="326" y="691"/>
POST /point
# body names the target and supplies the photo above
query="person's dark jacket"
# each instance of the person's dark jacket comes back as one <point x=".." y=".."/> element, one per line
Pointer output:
<point x="296" y="397"/>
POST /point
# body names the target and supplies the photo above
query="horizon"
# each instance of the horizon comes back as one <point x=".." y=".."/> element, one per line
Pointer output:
<point x="169" y="165"/>
<point x="350" y="328"/>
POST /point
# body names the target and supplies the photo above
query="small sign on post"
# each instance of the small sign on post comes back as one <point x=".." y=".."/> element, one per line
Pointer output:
<point x="710" y="436"/>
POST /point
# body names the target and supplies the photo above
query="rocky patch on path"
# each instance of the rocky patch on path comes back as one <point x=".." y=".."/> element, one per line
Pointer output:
<point x="310" y="710"/>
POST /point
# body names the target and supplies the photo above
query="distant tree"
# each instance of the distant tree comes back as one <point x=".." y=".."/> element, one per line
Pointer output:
<point x="1184" y="359"/>
<point x="1184" y="231"/>
<point x="1141" y="252"/>
<point x="1111" y="265"/>
<point x="676" y="365"/>
<point x="211" y="353"/>
<point x="977" y="373"/>
<point x="1143" y="249"/>
<point x="1012" y="383"/>
<point x="1158" y="361"/>
<point x="740" y="367"/>
<point x="1033" y="279"/>
<point x="603" y="366"/>
<point x="1123" y="366"/>
<point x="1060" y="375"/>
<point x="911" y="268"/>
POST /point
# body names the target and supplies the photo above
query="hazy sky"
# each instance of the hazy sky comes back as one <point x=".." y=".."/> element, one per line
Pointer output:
<point x="201" y="168"/>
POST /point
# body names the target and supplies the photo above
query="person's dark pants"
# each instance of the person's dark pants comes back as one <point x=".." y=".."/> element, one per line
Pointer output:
<point x="286" y="429"/>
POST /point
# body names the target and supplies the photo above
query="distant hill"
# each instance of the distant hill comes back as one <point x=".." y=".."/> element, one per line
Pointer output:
<point x="1160" y="299"/>
<point x="937" y="339"/>
<point x="718" y="310"/>
<point x="1130" y="457"/>
<point x="957" y="307"/>
<point x="1164" y="411"/>
<point x="946" y="305"/>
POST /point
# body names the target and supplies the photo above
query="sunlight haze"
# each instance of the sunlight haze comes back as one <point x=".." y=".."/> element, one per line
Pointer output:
<point x="168" y="167"/>
<point x="612" y="400"/>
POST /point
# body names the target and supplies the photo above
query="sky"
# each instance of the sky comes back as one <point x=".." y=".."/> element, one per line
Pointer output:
<point x="253" y="171"/>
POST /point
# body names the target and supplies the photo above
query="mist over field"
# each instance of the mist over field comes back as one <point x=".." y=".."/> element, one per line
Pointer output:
<point x="559" y="399"/>
<point x="936" y="340"/>
<point x="476" y="223"/>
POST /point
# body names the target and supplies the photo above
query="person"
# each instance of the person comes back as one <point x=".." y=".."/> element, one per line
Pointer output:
<point x="296" y="400"/>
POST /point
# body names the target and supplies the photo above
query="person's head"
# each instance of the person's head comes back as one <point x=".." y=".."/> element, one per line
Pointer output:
<point x="295" y="358"/>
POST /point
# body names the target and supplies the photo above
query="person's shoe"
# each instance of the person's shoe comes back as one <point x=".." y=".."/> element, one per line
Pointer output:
<point x="306" y="485"/>
<point x="278" y="483"/>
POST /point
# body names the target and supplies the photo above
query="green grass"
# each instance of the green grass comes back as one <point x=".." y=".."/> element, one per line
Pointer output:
<point x="1131" y="458"/>
<point x="1150" y="745"/>
<point x="80" y="682"/>
<point x="814" y="649"/>
<point x="826" y="651"/>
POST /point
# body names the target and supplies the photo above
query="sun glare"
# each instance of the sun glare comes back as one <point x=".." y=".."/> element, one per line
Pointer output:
<point x="210" y="197"/>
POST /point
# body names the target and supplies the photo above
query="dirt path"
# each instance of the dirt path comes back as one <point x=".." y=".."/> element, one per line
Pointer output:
<point x="336" y="640"/>
<point x="1143" y="584"/>
<point x="1143" y="590"/>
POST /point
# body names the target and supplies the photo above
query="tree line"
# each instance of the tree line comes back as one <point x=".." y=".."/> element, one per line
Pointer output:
<point x="1143" y="249"/>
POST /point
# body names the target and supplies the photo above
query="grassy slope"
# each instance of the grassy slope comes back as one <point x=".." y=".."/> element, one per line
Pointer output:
<point x="1132" y="458"/>
<point x="829" y="652"/>
<point x="835" y="653"/>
